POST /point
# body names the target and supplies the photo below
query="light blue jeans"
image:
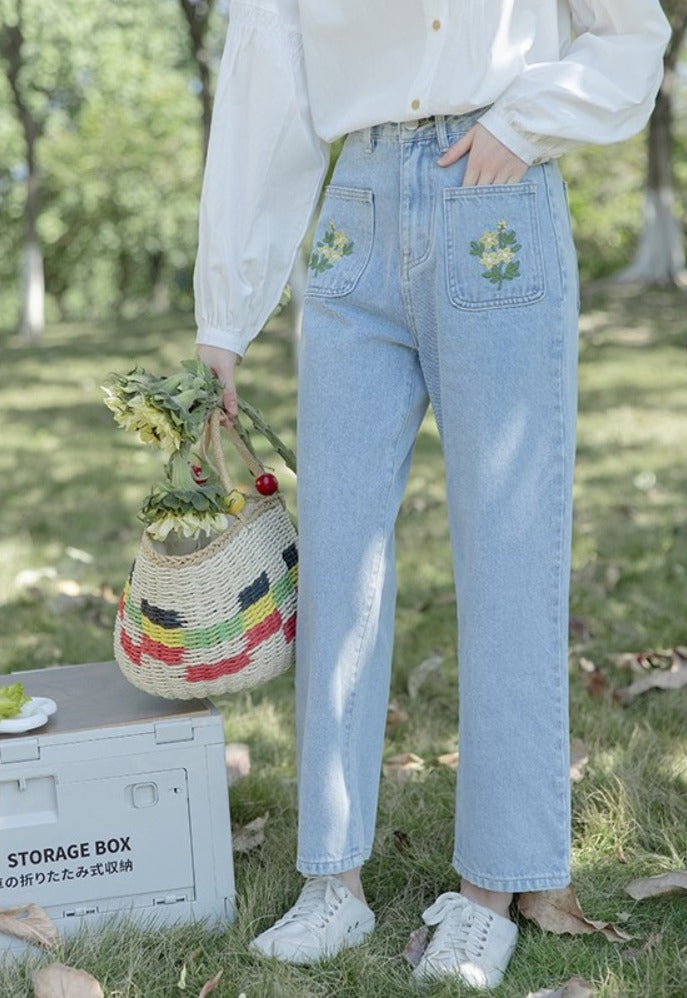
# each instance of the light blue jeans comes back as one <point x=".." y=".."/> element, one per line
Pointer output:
<point x="420" y="291"/>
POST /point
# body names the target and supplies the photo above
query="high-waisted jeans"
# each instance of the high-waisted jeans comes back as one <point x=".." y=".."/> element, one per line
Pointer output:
<point x="421" y="290"/>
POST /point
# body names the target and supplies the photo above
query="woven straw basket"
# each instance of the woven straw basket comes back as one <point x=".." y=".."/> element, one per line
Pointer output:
<point x="221" y="619"/>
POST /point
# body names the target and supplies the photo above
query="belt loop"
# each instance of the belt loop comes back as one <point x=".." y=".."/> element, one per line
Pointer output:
<point x="370" y="138"/>
<point x="442" y="132"/>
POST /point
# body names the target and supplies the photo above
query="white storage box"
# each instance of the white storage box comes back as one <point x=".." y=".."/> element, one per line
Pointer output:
<point x="118" y="804"/>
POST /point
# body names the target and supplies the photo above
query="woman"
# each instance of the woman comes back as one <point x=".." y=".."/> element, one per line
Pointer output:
<point x="442" y="271"/>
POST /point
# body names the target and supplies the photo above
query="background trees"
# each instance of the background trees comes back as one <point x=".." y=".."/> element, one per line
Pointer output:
<point x="104" y="113"/>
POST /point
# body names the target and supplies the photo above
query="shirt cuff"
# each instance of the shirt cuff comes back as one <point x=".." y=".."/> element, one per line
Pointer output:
<point x="526" y="150"/>
<point x="213" y="336"/>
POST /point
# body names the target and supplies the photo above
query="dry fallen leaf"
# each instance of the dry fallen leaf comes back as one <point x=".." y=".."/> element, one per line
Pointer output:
<point x="237" y="759"/>
<point x="210" y="985"/>
<point x="401" y="767"/>
<point x="395" y="714"/>
<point x="674" y="882"/>
<point x="416" y="945"/>
<point x="593" y="679"/>
<point x="58" y="981"/>
<point x="560" y="912"/>
<point x="654" y="942"/>
<point x="579" y="757"/>
<point x="449" y="759"/>
<point x="673" y="678"/>
<point x="31" y="923"/>
<point x="402" y="841"/>
<point x="574" y="988"/>
<point x="251" y="835"/>
<point x="420" y="674"/>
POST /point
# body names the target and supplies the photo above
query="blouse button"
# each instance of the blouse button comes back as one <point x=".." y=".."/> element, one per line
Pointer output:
<point x="436" y="24"/>
<point x="415" y="104"/>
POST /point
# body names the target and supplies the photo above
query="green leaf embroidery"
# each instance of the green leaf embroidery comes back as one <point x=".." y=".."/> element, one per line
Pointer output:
<point x="496" y="250"/>
<point x="333" y="245"/>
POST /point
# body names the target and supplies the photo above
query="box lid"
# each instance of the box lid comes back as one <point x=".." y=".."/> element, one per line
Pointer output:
<point x="96" y="695"/>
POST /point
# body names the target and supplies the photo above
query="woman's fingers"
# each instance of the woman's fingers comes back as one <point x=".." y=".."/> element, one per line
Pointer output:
<point x="223" y="365"/>
<point x="489" y="160"/>
<point x="458" y="149"/>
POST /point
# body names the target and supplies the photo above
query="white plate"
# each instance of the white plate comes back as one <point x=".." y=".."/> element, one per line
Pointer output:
<point x="33" y="714"/>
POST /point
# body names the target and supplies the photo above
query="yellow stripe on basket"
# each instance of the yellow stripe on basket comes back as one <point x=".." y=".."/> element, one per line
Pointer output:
<point x="168" y="636"/>
<point x="256" y="613"/>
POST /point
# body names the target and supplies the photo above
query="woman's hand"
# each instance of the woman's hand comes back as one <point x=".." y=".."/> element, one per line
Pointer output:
<point x="489" y="161"/>
<point x="223" y="364"/>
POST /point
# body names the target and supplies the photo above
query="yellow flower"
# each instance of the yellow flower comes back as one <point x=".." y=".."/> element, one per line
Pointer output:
<point x="489" y="240"/>
<point x="187" y="525"/>
<point x="505" y="255"/>
<point x="489" y="260"/>
<point x="503" y="224"/>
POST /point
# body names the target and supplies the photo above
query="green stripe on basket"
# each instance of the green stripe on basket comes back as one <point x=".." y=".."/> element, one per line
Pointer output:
<point x="133" y="612"/>
<point x="282" y="588"/>
<point x="207" y="637"/>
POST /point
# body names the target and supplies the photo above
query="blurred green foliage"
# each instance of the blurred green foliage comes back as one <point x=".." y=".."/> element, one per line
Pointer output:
<point x="114" y="89"/>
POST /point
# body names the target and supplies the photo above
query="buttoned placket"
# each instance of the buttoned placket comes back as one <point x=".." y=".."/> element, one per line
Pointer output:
<point x="436" y="13"/>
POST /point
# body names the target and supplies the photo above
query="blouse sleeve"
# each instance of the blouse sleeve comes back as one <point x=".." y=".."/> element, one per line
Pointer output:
<point x="264" y="171"/>
<point x="601" y="91"/>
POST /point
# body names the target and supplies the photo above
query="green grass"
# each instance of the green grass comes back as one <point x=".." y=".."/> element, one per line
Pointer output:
<point x="70" y="485"/>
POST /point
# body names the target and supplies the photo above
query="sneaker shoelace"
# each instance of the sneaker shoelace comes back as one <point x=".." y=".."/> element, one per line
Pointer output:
<point x="316" y="903"/>
<point x="462" y="930"/>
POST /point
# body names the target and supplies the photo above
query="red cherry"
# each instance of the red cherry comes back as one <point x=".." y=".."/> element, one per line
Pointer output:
<point x="266" y="484"/>
<point x="198" y="476"/>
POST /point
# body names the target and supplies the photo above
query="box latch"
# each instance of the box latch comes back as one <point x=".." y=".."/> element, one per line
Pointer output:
<point x="173" y="731"/>
<point x="22" y="750"/>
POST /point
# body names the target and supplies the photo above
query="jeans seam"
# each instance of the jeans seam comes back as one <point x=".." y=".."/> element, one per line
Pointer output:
<point x="349" y="723"/>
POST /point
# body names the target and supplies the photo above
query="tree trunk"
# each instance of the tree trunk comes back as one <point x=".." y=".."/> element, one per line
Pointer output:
<point x="32" y="322"/>
<point x="197" y="15"/>
<point x="660" y="256"/>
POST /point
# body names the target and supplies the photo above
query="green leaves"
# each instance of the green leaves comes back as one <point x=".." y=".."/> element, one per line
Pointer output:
<point x="12" y="699"/>
<point x="496" y="250"/>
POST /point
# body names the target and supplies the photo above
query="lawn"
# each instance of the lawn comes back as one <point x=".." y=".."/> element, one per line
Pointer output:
<point x="70" y="486"/>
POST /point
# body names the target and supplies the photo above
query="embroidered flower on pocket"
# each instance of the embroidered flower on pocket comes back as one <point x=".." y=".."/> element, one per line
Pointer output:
<point x="329" y="250"/>
<point x="496" y="251"/>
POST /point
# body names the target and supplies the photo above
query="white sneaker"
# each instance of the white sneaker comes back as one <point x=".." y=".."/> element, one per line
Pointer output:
<point x="326" y="918"/>
<point x="470" y="942"/>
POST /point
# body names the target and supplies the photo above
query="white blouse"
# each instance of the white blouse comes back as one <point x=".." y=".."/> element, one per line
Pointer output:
<point x="297" y="74"/>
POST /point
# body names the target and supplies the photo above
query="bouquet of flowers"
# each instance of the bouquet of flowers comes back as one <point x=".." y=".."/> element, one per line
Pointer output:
<point x="188" y="506"/>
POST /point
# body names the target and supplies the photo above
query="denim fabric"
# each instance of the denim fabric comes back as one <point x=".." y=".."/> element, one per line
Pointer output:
<point x="424" y="291"/>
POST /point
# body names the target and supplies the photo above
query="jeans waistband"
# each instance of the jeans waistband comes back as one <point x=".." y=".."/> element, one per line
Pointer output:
<point x="446" y="127"/>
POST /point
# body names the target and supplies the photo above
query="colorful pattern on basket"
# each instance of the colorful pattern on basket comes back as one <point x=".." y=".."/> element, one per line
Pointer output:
<point x="166" y="636"/>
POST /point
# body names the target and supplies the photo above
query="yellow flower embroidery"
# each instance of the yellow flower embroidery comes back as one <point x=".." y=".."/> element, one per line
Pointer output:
<point x="496" y="251"/>
<point x="329" y="250"/>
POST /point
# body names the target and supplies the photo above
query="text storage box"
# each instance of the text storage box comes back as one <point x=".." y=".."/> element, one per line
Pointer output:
<point x="118" y="804"/>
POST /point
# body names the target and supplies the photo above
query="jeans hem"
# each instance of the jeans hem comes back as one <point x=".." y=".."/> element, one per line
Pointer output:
<point x="515" y="885"/>
<point x="320" y="868"/>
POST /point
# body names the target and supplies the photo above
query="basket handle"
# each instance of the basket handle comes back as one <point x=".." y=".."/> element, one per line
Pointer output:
<point x="212" y="438"/>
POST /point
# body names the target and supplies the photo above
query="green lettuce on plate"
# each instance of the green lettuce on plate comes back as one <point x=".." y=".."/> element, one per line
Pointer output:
<point x="12" y="699"/>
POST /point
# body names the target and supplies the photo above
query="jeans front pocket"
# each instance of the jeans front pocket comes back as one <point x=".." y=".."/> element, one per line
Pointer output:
<point x="343" y="241"/>
<point x="493" y="246"/>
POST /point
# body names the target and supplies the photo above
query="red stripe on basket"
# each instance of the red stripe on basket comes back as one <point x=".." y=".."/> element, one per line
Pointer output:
<point x="170" y="656"/>
<point x="214" y="670"/>
<point x="264" y="630"/>
<point x="131" y="649"/>
<point x="290" y="629"/>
